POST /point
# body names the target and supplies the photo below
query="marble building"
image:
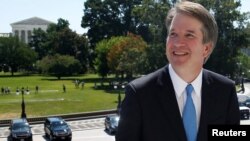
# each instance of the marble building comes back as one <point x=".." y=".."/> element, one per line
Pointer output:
<point x="23" y="29"/>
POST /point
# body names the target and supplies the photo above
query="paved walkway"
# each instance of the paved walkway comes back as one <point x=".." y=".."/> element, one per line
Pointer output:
<point x="247" y="89"/>
<point x="38" y="129"/>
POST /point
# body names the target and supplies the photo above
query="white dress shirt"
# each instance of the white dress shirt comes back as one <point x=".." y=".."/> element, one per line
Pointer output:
<point x="180" y="92"/>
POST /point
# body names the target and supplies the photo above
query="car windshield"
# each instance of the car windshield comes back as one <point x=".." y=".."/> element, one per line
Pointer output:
<point x="241" y="104"/>
<point x="248" y="100"/>
<point x="59" y="125"/>
<point x="114" y="120"/>
<point x="20" y="126"/>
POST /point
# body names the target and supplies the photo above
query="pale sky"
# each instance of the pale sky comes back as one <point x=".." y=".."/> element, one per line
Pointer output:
<point x="16" y="10"/>
<point x="72" y="10"/>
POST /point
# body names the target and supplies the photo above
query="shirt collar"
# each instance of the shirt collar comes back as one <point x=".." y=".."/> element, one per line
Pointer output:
<point x="180" y="85"/>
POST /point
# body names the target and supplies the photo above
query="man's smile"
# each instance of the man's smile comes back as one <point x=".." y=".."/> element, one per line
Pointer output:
<point x="180" y="53"/>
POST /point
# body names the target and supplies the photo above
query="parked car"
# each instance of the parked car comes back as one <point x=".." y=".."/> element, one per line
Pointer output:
<point x="56" y="128"/>
<point x="20" y="130"/>
<point x="247" y="103"/>
<point x="244" y="112"/>
<point x="242" y="97"/>
<point x="111" y="123"/>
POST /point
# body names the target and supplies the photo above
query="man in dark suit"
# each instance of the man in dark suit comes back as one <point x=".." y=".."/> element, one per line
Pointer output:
<point x="155" y="105"/>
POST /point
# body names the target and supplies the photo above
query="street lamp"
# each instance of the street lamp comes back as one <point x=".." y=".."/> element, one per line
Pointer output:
<point x="119" y="99"/>
<point x="23" y="115"/>
<point x="239" y="74"/>
<point x="248" y="73"/>
<point x="242" y="83"/>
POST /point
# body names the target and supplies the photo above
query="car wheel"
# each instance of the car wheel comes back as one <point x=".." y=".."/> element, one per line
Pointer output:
<point x="51" y="138"/>
<point x="46" y="135"/>
<point x="9" y="138"/>
<point x="110" y="131"/>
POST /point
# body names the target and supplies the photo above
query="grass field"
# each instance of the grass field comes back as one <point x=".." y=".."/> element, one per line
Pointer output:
<point x="51" y="100"/>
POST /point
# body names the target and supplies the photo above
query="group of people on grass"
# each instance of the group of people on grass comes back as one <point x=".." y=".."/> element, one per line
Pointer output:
<point x="7" y="90"/>
<point x="78" y="83"/>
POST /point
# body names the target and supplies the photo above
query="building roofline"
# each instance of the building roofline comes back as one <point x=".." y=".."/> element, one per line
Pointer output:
<point x="32" y="21"/>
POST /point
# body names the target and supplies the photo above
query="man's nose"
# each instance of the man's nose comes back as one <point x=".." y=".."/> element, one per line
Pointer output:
<point x="179" y="41"/>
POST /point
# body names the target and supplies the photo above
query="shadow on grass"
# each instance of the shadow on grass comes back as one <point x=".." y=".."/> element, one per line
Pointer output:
<point x="108" y="89"/>
<point x="106" y="84"/>
<point x="87" y="80"/>
<point x="13" y="76"/>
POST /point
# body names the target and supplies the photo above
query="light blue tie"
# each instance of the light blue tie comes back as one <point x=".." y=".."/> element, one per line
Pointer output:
<point x="189" y="116"/>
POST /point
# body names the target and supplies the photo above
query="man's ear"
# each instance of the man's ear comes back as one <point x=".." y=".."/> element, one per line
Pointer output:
<point x="208" y="48"/>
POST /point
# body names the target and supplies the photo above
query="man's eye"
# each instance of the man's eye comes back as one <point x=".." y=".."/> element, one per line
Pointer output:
<point x="190" y="36"/>
<point x="172" y="34"/>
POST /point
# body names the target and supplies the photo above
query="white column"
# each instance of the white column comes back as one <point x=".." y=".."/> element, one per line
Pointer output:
<point x="26" y="36"/>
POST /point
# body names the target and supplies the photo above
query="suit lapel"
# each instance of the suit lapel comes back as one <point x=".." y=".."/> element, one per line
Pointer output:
<point x="205" y="101"/>
<point x="168" y="101"/>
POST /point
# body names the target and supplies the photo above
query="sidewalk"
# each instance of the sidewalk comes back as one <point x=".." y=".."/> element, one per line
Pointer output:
<point x="247" y="89"/>
<point x="75" y="126"/>
<point x="246" y="95"/>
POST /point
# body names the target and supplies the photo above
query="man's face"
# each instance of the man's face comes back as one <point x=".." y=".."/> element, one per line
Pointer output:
<point x="184" y="47"/>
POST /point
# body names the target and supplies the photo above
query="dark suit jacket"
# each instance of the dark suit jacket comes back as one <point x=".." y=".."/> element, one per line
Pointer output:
<point x="150" y="111"/>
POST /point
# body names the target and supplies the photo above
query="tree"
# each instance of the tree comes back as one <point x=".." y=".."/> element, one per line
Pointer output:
<point x="26" y="58"/>
<point x="59" y="65"/>
<point x="155" y="57"/>
<point x="101" y="15"/>
<point x="248" y="30"/>
<point x="107" y="18"/>
<point x="124" y="57"/>
<point x="232" y="35"/>
<point x="101" y="65"/>
<point x="151" y="16"/>
<point x="66" y="42"/>
<point x="244" y="65"/>
<point x="60" y="39"/>
<point x="15" y="54"/>
<point x="102" y="49"/>
<point x="38" y="42"/>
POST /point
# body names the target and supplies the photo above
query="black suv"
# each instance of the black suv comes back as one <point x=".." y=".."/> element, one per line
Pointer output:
<point x="244" y="112"/>
<point x="56" y="128"/>
<point x="20" y="130"/>
<point x="111" y="123"/>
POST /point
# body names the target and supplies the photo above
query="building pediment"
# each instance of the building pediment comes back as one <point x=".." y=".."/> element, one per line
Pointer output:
<point x="33" y="21"/>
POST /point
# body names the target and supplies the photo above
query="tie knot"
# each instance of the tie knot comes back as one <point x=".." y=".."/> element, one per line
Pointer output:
<point x="189" y="89"/>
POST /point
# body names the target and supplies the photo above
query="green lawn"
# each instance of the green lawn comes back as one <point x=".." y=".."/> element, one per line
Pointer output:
<point x="51" y="99"/>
